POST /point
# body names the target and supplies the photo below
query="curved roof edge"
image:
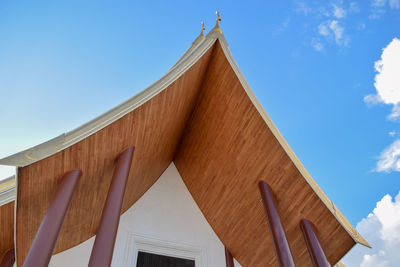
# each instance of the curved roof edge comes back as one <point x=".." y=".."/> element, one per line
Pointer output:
<point x="26" y="157"/>
<point x="328" y="203"/>
<point x="190" y="57"/>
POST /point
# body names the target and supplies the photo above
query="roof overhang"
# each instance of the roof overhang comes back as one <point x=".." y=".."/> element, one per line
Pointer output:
<point x="203" y="116"/>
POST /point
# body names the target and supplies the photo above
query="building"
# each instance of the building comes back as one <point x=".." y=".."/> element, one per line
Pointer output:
<point x="193" y="163"/>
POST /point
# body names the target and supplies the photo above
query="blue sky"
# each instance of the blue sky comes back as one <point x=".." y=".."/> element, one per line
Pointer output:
<point x="310" y="63"/>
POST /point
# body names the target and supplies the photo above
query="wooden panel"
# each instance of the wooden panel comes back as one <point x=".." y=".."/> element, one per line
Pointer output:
<point x="226" y="149"/>
<point x="154" y="129"/>
<point x="6" y="228"/>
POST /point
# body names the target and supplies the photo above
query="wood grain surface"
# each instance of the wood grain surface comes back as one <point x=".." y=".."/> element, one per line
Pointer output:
<point x="221" y="146"/>
<point x="154" y="129"/>
<point x="227" y="148"/>
<point x="6" y="228"/>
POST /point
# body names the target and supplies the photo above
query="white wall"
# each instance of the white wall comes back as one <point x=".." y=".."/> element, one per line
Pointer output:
<point x="165" y="220"/>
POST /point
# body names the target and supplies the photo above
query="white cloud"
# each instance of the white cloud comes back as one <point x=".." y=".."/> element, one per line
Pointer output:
<point x="337" y="30"/>
<point x="371" y="100"/>
<point x="373" y="261"/>
<point x="331" y="22"/>
<point x="316" y="43"/>
<point x="389" y="160"/>
<point x="323" y="30"/>
<point x="388" y="213"/>
<point x="332" y="30"/>
<point x="382" y="229"/>
<point x="338" y="12"/>
<point x="318" y="46"/>
<point x="395" y="113"/>
<point x="387" y="79"/>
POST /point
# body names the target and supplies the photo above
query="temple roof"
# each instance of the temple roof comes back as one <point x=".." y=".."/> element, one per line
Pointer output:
<point x="203" y="116"/>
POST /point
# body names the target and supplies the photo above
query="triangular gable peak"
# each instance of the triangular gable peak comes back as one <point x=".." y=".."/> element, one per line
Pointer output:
<point x="203" y="116"/>
<point x="184" y="233"/>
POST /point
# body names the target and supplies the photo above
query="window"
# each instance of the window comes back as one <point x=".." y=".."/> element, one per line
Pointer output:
<point x="154" y="260"/>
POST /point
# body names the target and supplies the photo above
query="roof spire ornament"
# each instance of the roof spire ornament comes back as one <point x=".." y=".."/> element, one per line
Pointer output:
<point x="217" y="28"/>
<point x="203" y="27"/>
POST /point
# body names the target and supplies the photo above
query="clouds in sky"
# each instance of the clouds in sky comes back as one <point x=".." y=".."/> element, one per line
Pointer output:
<point x="387" y="79"/>
<point x="339" y="12"/>
<point x="330" y="22"/>
<point x="382" y="229"/>
<point x="378" y="7"/>
<point x="334" y="20"/>
<point x="387" y="85"/>
<point x="317" y="44"/>
<point x="382" y="226"/>
<point x="337" y="31"/>
<point x="389" y="160"/>
<point x="332" y="28"/>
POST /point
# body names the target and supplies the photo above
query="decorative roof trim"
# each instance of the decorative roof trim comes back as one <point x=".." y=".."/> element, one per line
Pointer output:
<point x="198" y="48"/>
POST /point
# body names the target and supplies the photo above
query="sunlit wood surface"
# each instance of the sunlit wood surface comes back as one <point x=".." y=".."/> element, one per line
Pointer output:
<point x="226" y="149"/>
<point x="222" y="146"/>
<point x="154" y="129"/>
<point x="6" y="228"/>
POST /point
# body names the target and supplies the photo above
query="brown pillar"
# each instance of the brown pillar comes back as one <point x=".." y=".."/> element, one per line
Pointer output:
<point x="281" y="245"/>
<point x="103" y="247"/>
<point x="228" y="258"/>
<point x="46" y="237"/>
<point x="314" y="247"/>
<point x="8" y="259"/>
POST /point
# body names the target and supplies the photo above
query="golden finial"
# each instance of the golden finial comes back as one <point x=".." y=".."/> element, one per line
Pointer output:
<point x="202" y="31"/>
<point x="217" y="28"/>
<point x="201" y="35"/>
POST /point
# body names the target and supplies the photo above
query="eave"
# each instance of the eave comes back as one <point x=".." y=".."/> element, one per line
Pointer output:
<point x="92" y="147"/>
